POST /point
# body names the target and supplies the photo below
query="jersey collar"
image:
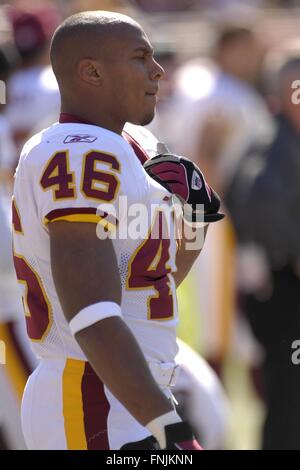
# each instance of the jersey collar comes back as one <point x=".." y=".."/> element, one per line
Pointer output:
<point x="65" y="117"/>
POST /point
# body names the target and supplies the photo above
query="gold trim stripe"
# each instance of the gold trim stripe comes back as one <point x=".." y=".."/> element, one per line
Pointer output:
<point x="73" y="405"/>
<point x="92" y="218"/>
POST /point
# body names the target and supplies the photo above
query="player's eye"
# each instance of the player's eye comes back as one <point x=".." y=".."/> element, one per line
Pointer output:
<point x="144" y="55"/>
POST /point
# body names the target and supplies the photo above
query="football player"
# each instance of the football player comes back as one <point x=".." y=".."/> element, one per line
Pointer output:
<point x="15" y="360"/>
<point x="101" y="311"/>
<point x="18" y="360"/>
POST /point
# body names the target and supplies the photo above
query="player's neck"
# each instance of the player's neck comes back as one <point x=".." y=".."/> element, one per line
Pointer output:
<point x="80" y="116"/>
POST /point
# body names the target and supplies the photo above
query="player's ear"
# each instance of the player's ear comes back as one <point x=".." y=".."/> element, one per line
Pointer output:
<point x="89" y="71"/>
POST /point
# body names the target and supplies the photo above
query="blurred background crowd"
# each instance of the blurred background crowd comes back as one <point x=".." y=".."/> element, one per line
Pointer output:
<point x="230" y="102"/>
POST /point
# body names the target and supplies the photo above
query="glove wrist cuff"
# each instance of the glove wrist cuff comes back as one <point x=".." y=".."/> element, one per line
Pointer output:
<point x="157" y="426"/>
<point x="195" y="225"/>
<point x="193" y="218"/>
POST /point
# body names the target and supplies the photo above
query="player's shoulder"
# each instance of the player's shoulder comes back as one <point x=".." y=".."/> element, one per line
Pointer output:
<point x="74" y="138"/>
<point x="144" y="137"/>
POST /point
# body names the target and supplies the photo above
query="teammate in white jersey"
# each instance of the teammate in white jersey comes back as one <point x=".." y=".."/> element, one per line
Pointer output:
<point x="15" y="371"/>
<point x="101" y="311"/>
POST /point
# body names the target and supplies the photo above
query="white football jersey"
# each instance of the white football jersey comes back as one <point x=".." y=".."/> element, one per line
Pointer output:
<point x="65" y="172"/>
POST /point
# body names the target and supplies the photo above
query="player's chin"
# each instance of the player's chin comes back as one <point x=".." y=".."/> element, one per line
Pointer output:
<point x="147" y="117"/>
<point x="144" y="116"/>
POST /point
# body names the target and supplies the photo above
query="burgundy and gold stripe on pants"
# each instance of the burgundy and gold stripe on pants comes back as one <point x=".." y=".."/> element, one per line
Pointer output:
<point x="85" y="407"/>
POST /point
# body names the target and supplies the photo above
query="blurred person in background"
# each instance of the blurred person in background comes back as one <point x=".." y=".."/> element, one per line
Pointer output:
<point x="120" y="6"/>
<point x="155" y="6"/>
<point x="225" y="113"/>
<point x="267" y="214"/>
<point x="32" y="89"/>
<point x="202" y="399"/>
<point x="8" y="60"/>
<point x="19" y="358"/>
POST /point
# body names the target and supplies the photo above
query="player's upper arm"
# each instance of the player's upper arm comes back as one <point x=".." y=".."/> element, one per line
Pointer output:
<point x="84" y="268"/>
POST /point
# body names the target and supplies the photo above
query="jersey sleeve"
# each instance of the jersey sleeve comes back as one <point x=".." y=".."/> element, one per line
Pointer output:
<point x="81" y="183"/>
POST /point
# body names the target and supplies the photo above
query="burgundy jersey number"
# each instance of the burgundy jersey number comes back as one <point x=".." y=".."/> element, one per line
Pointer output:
<point x="101" y="185"/>
<point x="35" y="302"/>
<point x="58" y="176"/>
<point x="148" y="269"/>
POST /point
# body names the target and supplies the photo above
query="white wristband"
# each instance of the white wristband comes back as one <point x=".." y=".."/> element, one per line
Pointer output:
<point x="92" y="314"/>
<point x="157" y="426"/>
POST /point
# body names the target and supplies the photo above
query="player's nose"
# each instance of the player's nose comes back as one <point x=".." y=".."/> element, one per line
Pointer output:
<point x="157" y="72"/>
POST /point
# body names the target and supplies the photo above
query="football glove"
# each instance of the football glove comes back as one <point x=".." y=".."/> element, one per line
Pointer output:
<point x="179" y="436"/>
<point x="182" y="177"/>
<point x="172" y="433"/>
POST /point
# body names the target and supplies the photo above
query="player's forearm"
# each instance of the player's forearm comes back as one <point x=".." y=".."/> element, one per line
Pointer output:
<point x="117" y="359"/>
<point x="185" y="257"/>
<point x="184" y="261"/>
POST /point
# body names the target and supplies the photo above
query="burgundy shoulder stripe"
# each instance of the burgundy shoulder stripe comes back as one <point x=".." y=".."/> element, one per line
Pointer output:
<point x="138" y="150"/>
<point x="95" y="409"/>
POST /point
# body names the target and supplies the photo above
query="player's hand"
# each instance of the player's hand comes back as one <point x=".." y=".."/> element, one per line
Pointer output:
<point x="179" y="436"/>
<point x="172" y="433"/>
<point x="182" y="177"/>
